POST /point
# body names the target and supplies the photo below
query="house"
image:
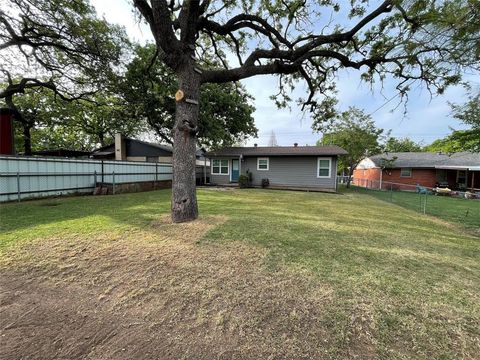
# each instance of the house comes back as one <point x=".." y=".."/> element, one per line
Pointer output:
<point x="457" y="171"/>
<point x="294" y="167"/>
<point x="127" y="149"/>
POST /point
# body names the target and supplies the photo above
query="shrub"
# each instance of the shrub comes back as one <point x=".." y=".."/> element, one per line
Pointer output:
<point x="243" y="181"/>
<point x="265" y="183"/>
<point x="250" y="176"/>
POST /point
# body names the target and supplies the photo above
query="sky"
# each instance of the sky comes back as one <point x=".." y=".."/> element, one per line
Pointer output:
<point x="426" y="118"/>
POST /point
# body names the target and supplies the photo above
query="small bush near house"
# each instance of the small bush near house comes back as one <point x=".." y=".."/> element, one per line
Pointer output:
<point x="243" y="181"/>
<point x="265" y="183"/>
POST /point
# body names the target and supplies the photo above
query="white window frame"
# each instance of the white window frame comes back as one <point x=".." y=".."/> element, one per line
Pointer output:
<point x="220" y="167"/>
<point x="258" y="163"/>
<point x="329" y="168"/>
<point x="406" y="176"/>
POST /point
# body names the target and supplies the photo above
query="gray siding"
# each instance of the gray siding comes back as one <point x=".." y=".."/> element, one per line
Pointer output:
<point x="294" y="171"/>
<point x="220" y="179"/>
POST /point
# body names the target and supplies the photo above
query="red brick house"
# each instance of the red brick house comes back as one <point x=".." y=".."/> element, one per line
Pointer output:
<point x="405" y="170"/>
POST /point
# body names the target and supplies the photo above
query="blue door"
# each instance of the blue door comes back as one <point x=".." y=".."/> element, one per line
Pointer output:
<point x="235" y="170"/>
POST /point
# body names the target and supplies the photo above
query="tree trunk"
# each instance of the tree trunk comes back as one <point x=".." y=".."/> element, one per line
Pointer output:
<point x="27" y="140"/>
<point x="349" y="179"/>
<point x="184" y="197"/>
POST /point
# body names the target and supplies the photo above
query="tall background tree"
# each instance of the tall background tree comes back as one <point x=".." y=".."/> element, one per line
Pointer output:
<point x="462" y="140"/>
<point x="311" y="41"/>
<point x="57" y="45"/>
<point x="78" y="125"/>
<point x="394" y="144"/>
<point x="356" y="132"/>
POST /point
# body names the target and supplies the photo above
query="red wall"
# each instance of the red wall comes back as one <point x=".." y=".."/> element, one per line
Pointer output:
<point x="371" y="178"/>
<point x="423" y="177"/>
<point x="366" y="177"/>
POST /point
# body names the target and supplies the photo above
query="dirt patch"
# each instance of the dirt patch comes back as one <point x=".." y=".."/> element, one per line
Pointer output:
<point x="157" y="293"/>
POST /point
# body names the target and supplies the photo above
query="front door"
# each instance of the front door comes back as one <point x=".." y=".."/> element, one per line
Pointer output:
<point x="235" y="170"/>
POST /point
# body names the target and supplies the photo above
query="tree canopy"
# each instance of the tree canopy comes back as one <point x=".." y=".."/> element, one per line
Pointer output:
<point x="457" y="141"/>
<point x="356" y="132"/>
<point x="225" y="109"/>
<point x="49" y="122"/>
<point x="462" y="140"/>
<point x="410" y="41"/>
<point x="394" y="144"/>
<point x="57" y="45"/>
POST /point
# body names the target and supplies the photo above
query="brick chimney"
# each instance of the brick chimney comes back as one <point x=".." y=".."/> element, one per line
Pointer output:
<point x="6" y="132"/>
<point x="120" y="151"/>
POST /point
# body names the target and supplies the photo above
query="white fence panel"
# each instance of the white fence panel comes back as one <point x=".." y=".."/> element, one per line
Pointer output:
<point x="27" y="177"/>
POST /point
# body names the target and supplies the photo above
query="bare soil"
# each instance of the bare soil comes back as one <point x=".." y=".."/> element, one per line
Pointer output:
<point x="160" y="293"/>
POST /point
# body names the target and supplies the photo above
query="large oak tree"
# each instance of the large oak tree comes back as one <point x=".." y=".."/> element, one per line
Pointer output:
<point x="298" y="40"/>
<point x="59" y="45"/>
<point x="225" y="114"/>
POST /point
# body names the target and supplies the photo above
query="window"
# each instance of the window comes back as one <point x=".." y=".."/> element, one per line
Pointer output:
<point x="406" y="172"/>
<point x="323" y="167"/>
<point x="262" y="164"/>
<point x="219" y="167"/>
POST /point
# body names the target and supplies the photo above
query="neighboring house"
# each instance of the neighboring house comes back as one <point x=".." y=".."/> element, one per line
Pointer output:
<point x="458" y="171"/>
<point x="133" y="150"/>
<point x="128" y="149"/>
<point x="302" y="167"/>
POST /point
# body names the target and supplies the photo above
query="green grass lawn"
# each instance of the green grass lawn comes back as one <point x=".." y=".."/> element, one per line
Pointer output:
<point x="457" y="210"/>
<point x="370" y="279"/>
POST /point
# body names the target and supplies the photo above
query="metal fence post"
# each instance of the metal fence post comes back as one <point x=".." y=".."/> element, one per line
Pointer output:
<point x="425" y="205"/>
<point x="113" y="183"/>
<point x="391" y="193"/>
<point x="156" y="171"/>
<point x="94" y="179"/>
<point x="18" y="186"/>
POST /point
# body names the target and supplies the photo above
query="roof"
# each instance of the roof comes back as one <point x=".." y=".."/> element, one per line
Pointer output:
<point x="136" y="147"/>
<point x="278" y="151"/>
<point x="461" y="160"/>
<point x="61" y="153"/>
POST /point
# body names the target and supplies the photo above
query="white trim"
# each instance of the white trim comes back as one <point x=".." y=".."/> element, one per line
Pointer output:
<point x="406" y="176"/>
<point x="329" y="167"/>
<point x="268" y="163"/>
<point x="220" y="167"/>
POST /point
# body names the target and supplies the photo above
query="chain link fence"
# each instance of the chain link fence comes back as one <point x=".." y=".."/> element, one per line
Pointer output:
<point x="461" y="207"/>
